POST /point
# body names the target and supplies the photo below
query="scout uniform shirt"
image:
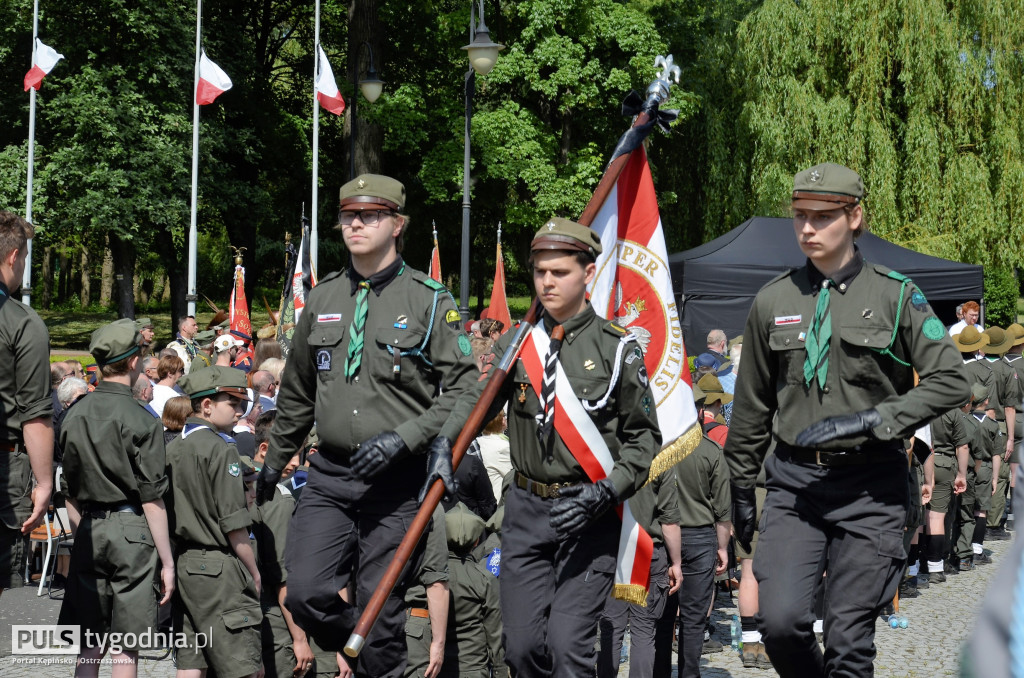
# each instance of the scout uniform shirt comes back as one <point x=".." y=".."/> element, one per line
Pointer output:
<point x="978" y="370"/>
<point x="113" y="450"/>
<point x="656" y="504"/>
<point x="1007" y="388"/>
<point x="412" y="343"/>
<point x="25" y="394"/>
<point x="882" y="330"/>
<point x="628" y="421"/>
<point x="1016" y="362"/>
<point x="702" y="479"/>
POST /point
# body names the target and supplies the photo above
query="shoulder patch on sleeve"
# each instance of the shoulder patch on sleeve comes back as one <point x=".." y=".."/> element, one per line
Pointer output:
<point x="452" y="316"/>
<point x="933" y="328"/>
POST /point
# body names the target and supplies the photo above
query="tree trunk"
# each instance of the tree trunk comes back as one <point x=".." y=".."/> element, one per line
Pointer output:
<point x="106" y="275"/>
<point x="363" y="23"/>
<point x="47" y="275"/>
<point x="177" y="277"/>
<point x="86" y="297"/>
<point x="124" y="273"/>
<point x="165" y="292"/>
<point x="62" y="277"/>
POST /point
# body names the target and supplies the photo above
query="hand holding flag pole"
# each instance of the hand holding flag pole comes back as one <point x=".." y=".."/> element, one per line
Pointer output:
<point x="642" y="125"/>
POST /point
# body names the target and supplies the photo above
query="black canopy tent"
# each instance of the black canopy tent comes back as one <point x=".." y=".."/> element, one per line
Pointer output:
<point x="715" y="283"/>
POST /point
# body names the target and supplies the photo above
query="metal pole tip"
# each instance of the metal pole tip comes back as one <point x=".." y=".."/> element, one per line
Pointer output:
<point x="354" y="645"/>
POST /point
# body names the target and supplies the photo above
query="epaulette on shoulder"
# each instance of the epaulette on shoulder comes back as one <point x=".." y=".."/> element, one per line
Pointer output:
<point x="330" y="276"/>
<point x="889" y="273"/>
<point x="617" y="330"/>
<point x="422" y="277"/>
<point x="781" y="276"/>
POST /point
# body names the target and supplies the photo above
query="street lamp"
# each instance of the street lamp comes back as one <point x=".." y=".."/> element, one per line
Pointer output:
<point x="371" y="86"/>
<point x="482" y="55"/>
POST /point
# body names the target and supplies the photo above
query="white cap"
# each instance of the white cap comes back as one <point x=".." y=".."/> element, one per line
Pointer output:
<point x="225" y="341"/>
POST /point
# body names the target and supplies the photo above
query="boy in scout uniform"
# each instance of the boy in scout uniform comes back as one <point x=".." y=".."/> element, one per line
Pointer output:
<point x="560" y="532"/>
<point x="987" y="445"/>
<point x="1014" y="359"/>
<point x="218" y="582"/>
<point x="828" y="366"/>
<point x="368" y="360"/>
<point x="1008" y="392"/>
<point x="114" y="468"/>
<point x="26" y="407"/>
<point x="950" y="444"/>
<point x="970" y="342"/>
<point x="427" y="604"/>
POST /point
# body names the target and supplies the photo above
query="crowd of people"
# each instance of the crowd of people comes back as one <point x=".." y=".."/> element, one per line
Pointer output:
<point x="255" y="502"/>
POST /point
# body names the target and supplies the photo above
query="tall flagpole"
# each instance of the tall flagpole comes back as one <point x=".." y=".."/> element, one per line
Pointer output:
<point x="193" y="238"/>
<point x="316" y="141"/>
<point x="26" y="279"/>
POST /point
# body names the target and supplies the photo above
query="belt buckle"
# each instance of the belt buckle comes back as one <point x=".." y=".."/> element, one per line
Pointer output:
<point x="553" y="489"/>
<point x="817" y="458"/>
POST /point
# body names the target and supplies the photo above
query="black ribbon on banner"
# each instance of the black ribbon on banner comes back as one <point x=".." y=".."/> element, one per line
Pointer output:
<point x="633" y="105"/>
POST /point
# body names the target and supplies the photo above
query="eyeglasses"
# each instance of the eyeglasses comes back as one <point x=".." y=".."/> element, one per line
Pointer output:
<point x="368" y="217"/>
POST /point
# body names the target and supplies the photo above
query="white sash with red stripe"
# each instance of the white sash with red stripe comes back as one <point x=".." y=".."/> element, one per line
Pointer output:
<point x="577" y="430"/>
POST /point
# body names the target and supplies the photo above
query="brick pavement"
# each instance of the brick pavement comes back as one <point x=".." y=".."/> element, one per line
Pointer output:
<point x="905" y="653"/>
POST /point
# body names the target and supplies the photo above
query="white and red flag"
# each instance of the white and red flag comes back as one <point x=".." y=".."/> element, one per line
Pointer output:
<point x="43" y="61"/>
<point x="326" y="86"/>
<point x="213" y="81"/>
<point x="239" y="307"/>
<point x="633" y="287"/>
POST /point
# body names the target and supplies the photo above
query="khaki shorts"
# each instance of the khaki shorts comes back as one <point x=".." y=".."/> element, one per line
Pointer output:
<point x="221" y="614"/>
<point x="759" y="494"/>
<point x="13" y="547"/>
<point x="945" y="474"/>
<point x="112" y="585"/>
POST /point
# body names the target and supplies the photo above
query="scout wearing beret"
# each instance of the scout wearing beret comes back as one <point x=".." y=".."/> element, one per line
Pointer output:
<point x="710" y="409"/>
<point x="114" y="468"/>
<point x="369" y="356"/>
<point x="26" y="427"/>
<point x="218" y="581"/>
<point x="829" y="355"/>
<point x="560" y="532"/>
<point x="145" y="328"/>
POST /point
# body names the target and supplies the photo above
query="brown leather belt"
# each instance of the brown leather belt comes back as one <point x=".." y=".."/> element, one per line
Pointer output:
<point x="419" y="612"/>
<point x="9" y="447"/>
<point x="825" y="458"/>
<point x="543" y="490"/>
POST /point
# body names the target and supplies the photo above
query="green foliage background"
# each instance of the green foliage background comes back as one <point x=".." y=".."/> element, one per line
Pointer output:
<point x="923" y="97"/>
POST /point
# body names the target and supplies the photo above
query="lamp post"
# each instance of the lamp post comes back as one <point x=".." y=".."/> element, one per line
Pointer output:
<point x="482" y="55"/>
<point x="371" y="87"/>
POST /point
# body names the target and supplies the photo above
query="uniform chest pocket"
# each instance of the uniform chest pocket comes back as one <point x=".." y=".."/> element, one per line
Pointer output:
<point x="400" y="353"/>
<point x="325" y="350"/>
<point x="787" y="343"/>
<point x="863" y="361"/>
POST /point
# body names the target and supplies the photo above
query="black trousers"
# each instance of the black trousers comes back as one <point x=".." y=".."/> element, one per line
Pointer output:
<point x="851" y="516"/>
<point x="552" y="589"/>
<point x="691" y="602"/>
<point x="642" y="622"/>
<point x="343" y="524"/>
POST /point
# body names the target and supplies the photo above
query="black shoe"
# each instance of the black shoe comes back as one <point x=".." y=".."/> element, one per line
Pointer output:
<point x="711" y="646"/>
<point x="936" y="578"/>
<point x="966" y="564"/>
<point x="996" y="534"/>
<point x="983" y="559"/>
<point x="908" y="590"/>
<point x="922" y="581"/>
<point x="951" y="567"/>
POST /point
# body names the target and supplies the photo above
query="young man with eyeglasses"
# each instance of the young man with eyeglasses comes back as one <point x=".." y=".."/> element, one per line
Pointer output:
<point x="371" y="352"/>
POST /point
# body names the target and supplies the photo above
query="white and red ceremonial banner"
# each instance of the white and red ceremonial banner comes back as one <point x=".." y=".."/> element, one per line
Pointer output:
<point x="435" y="260"/>
<point x="304" y="276"/>
<point x="213" y="81"/>
<point x="633" y="287"/>
<point x="43" y="61"/>
<point x="239" y="317"/>
<point x="327" y="92"/>
<point x="498" y="308"/>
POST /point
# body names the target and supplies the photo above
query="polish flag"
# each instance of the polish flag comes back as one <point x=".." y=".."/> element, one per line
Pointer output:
<point x="326" y="87"/>
<point x="213" y="81"/>
<point x="45" y="59"/>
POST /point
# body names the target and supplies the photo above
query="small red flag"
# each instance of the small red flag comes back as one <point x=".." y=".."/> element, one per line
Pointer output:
<point x="498" y="309"/>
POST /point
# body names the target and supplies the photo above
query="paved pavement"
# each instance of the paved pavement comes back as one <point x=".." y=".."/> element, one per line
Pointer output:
<point x="916" y="651"/>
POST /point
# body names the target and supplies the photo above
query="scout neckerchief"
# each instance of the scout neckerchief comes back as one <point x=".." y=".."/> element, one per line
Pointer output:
<point x="818" y="337"/>
<point x="189" y="346"/>
<point x="546" y="416"/>
<point x="581" y="436"/>
<point x="192" y="427"/>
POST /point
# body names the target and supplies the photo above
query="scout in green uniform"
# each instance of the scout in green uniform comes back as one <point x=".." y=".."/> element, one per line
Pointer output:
<point x="1014" y="359"/>
<point x="950" y="445"/>
<point x="427" y="605"/>
<point x="369" y="356"/>
<point x="473" y="646"/>
<point x="114" y="468"/>
<point x="987" y="446"/>
<point x="1008" y="392"/>
<point x="218" y="582"/>
<point x="26" y="407"/>
<point x="829" y="355"/>
<point x="560" y="532"/>
<point x="970" y="342"/>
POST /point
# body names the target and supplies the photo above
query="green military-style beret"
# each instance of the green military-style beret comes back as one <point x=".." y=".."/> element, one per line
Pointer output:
<point x="462" y="526"/>
<point x="205" y="337"/>
<point x="214" y="379"/>
<point x="372" y="191"/>
<point x="826" y="187"/>
<point x="562" y="234"/>
<point x="143" y="323"/>
<point x="999" y="341"/>
<point x="712" y="389"/>
<point x="114" y="342"/>
<point x="979" y="392"/>
<point x="250" y="469"/>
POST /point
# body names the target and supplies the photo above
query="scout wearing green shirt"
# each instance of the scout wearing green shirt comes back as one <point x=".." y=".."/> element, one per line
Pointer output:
<point x="114" y="468"/>
<point x="1014" y="359"/>
<point x="950" y="444"/>
<point x="829" y="355"/>
<point x="218" y="581"/>
<point x="970" y="342"/>
<point x="987" y="446"/>
<point x="1008" y="392"/>
<point x="26" y="407"/>
<point x="369" y="356"/>
<point x="427" y="601"/>
<point x="560" y="532"/>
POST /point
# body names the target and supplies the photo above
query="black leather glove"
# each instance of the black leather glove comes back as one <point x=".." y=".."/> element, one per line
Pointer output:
<point x="377" y="453"/>
<point x="578" y="505"/>
<point x="845" y="426"/>
<point x="744" y="514"/>
<point x="439" y="465"/>
<point x="266" y="484"/>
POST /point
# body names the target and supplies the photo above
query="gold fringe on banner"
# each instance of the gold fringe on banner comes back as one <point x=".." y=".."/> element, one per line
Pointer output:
<point x="631" y="593"/>
<point x="680" y="449"/>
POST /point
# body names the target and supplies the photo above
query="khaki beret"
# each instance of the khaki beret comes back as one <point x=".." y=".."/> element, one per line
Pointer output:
<point x="562" y="234"/>
<point x="214" y="379"/>
<point x="205" y="337"/>
<point x="250" y="470"/>
<point x="979" y="392"/>
<point x="372" y="191"/>
<point x="142" y="323"/>
<point x="826" y="187"/>
<point x="114" y="342"/>
<point x="462" y="526"/>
